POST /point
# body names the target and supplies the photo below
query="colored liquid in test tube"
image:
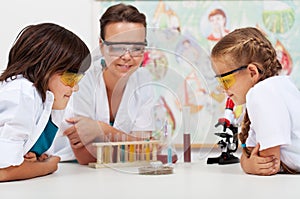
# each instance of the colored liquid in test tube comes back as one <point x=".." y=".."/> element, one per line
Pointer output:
<point x="147" y="151"/>
<point x="115" y="150"/>
<point x="169" y="140"/>
<point x="186" y="134"/>
<point x="122" y="148"/>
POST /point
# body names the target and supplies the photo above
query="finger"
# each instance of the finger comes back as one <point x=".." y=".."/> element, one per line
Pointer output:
<point x="43" y="157"/>
<point x="255" y="150"/>
<point x="69" y="130"/>
<point x="267" y="165"/>
<point x="72" y="136"/>
<point x="269" y="168"/>
<point x="55" y="159"/>
<point x="78" y="145"/>
<point x="265" y="160"/>
<point x="73" y="120"/>
<point x="29" y="155"/>
<point x="267" y="171"/>
<point x="74" y="140"/>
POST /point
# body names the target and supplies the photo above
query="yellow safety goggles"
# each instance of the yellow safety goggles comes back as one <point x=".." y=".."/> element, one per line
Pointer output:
<point x="71" y="79"/>
<point x="228" y="79"/>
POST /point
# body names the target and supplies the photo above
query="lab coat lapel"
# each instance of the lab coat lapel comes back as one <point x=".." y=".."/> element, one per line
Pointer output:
<point x="126" y="114"/>
<point x="41" y="123"/>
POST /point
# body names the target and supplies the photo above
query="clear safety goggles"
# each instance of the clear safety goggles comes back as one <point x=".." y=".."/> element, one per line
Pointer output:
<point x="118" y="49"/>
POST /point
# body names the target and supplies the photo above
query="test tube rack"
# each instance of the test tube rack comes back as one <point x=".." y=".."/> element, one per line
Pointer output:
<point x="125" y="154"/>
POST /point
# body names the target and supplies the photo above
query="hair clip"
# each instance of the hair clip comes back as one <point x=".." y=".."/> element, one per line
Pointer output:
<point x="243" y="145"/>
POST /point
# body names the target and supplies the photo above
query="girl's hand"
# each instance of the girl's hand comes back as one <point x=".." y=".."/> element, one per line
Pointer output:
<point x="258" y="165"/>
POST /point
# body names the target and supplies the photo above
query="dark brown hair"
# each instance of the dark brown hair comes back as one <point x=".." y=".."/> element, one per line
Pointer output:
<point x="43" y="50"/>
<point x="121" y="13"/>
<point x="242" y="47"/>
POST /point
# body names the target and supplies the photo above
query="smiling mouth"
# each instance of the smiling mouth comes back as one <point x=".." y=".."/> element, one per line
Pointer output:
<point x="125" y="66"/>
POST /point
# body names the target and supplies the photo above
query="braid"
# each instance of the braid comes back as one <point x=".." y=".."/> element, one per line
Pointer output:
<point x="243" y="135"/>
<point x="264" y="56"/>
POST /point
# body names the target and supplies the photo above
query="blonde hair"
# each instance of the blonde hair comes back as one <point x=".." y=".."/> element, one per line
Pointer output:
<point x="244" y="46"/>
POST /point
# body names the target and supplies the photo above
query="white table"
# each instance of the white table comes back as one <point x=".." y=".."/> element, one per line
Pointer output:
<point x="190" y="180"/>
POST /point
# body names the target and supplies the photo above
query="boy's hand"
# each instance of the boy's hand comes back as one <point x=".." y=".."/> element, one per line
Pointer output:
<point x="30" y="156"/>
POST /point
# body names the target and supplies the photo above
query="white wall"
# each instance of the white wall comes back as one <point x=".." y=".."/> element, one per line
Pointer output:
<point x="75" y="15"/>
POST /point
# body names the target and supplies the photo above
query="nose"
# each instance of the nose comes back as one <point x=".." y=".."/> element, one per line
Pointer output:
<point x="75" y="88"/>
<point x="126" y="54"/>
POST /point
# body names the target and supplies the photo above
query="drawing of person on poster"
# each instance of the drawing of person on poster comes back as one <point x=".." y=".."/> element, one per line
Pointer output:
<point x="166" y="18"/>
<point x="217" y="19"/>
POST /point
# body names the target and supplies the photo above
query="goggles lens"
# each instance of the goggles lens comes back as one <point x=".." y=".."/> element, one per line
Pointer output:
<point x="117" y="49"/>
<point x="71" y="79"/>
<point x="226" y="81"/>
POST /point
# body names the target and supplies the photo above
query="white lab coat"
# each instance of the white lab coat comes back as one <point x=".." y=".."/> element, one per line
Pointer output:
<point x="273" y="107"/>
<point x="23" y="117"/>
<point x="135" y="111"/>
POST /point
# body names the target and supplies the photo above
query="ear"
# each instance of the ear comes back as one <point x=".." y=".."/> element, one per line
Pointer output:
<point x="254" y="73"/>
<point x="101" y="45"/>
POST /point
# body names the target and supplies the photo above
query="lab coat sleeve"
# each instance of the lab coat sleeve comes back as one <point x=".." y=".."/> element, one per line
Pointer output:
<point x="251" y="140"/>
<point x="269" y="116"/>
<point x="17" y="122"/>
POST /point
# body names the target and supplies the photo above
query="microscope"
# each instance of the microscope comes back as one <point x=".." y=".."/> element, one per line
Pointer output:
<point x="229" y="141"/>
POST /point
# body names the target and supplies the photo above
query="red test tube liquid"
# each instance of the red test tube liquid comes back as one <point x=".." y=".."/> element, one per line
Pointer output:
<point x="186" y="134"/>
<point x="187" y="147"/>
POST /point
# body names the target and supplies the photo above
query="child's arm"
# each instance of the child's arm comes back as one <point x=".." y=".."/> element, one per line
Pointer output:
<point x="84" y="154"/>
<point x="265" y="162"/>
<point x="29" y="169"/>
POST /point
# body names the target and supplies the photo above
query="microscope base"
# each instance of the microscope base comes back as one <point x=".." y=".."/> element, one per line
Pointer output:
<point x="224" y="158"/>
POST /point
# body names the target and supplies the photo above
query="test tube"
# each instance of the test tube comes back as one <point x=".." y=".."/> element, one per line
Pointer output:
<point x="122" y="156"/>
<point x="154" y="152"/>
<point x="131" y="153"/>
<point x="147" y="151"/>
<point x="186" y="134"/>
<point x="115" y="150"/>
<point x="169" y="142"/>
<point x="99" y="155"/>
